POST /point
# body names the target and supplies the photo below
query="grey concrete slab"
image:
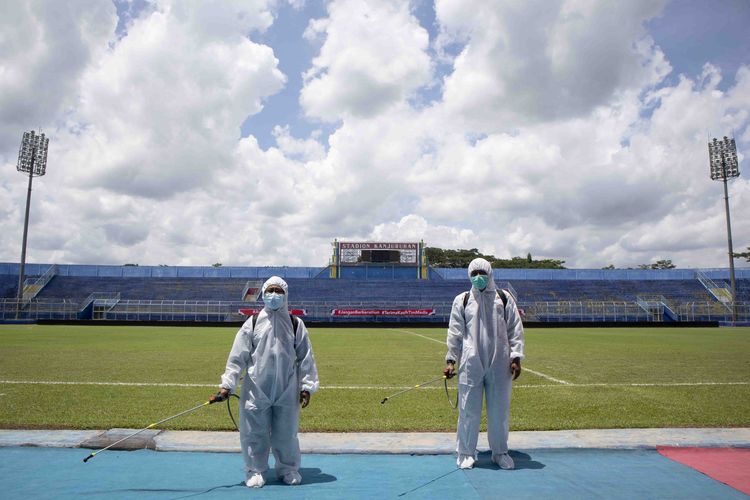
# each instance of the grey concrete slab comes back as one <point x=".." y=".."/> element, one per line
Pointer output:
<point x="116" y="437"/>
<point x="198" y="441"/>
<point x="317" y="442"/>
<point x="444" y="443"/>
<point x="631" y="438"/>
<point x="387" y="443"/>
<point x="45" y="438"/>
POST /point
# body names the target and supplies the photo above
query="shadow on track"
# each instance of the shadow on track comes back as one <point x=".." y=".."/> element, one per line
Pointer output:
<point x="194" y="491"/>
<point x="484" y="461"/>
<point x="310" y="475"/>
<point x="428" y="482"/>
<point x="522" y="461"/>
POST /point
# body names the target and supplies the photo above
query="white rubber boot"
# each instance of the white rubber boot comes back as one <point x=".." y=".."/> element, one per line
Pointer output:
<point x="255" y="481"/>
<point x="504" y="461"/>
<point x="292" y="478"/>
<point x="465" y="462"/>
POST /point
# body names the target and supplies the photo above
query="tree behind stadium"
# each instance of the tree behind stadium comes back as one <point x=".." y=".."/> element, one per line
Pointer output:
<point x="438" y="257"/>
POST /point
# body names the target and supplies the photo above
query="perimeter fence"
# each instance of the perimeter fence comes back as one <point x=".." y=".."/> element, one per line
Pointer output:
<point x="107" y="308"/>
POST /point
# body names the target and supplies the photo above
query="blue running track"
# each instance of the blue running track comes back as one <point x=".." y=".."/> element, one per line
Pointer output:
<point x="28" y="472"/>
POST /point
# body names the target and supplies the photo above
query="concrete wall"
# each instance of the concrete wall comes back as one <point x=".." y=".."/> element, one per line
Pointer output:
<point x="165" y="272"/>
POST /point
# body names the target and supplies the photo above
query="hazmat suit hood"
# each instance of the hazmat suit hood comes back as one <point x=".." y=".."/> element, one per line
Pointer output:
<point x="275" y="280"/>
<point x="482" y="265"/>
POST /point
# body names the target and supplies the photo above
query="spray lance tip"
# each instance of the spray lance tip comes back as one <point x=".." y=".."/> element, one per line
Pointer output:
<point x="384" y="400"/>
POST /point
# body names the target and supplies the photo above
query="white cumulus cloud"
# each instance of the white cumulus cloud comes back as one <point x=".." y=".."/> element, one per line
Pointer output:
<point x="372" y="57"/>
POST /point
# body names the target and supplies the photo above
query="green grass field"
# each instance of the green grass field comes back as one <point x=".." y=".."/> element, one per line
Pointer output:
<point x="574" y="378"/>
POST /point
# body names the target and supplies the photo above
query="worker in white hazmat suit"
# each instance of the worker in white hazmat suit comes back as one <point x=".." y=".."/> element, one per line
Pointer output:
<point x="275" y="359"/>
<point x="485" y="337"/>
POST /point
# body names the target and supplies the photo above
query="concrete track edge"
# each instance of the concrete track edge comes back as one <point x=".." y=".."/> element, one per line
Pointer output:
<point x="418" y="443"/>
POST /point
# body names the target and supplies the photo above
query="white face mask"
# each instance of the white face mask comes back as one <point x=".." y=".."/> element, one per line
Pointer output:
<point x="273" y="300"/>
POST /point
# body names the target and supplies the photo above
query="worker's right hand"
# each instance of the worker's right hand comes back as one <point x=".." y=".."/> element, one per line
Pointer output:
<point x="219" y="396"/>
<point x="304" y="398"/>
<point x="450" y="370"/>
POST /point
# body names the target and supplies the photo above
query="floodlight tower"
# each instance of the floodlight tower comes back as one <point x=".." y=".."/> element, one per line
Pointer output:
<point x="723" y="160"/>
<point x="32" y="160"/>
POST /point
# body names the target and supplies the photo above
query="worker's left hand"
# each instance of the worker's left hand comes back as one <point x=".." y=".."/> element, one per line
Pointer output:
<point x="222" y="395"/>
<point x="515" y="367"/>
<point x="304" y="398"/>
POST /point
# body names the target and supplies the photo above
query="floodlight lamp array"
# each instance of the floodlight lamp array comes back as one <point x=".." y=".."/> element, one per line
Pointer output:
<point x="32" y="155"/>
<point x="722" y="155"/>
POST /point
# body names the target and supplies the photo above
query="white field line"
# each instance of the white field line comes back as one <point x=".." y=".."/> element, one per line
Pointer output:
<point x="128" y="384"/>
<point x="635" y="384"/>
<point x="419" y="335"/>
<point x="376" y="387"/>
<point x="538" y="374"/>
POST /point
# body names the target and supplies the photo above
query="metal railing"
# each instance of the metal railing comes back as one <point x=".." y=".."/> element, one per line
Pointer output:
<point x="507" y="286"/>
<point x="32" y="286"/>
<point x="712" y="311"/>
<point x="33" y="310"/>
<point x="656" y="306"/>
<point x="585" y="311"/>
<point x="108" y="299"/>
<point x="172" y="310"/>
<point x="109" y="308"/>
<point x="720" y="292"/>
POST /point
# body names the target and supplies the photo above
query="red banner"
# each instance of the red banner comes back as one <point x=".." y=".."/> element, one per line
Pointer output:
<point x="250" y="312"/>
<point x="382" y="312"/>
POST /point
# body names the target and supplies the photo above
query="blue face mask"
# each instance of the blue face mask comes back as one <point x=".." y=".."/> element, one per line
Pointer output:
<point x="273" y="300"/>
<point x="479" y="281"/>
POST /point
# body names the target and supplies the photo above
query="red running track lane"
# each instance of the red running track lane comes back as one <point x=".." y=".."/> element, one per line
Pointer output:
<point x="730" y="466"/>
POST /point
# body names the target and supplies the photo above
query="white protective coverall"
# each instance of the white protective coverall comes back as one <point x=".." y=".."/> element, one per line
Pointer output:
<point x="484" y="343"/>
<point x="276" y="364"/>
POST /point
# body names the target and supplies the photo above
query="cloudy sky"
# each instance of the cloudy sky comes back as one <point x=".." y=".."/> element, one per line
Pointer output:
<point x="255" y="132"/>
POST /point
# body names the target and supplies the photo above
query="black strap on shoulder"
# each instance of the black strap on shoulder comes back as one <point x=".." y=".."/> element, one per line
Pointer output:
<point x="295" y="322"/>
<point x="503" y="296"/>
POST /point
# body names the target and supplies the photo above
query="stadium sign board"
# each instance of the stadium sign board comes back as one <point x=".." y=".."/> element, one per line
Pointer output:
<point x="369" y="252"/>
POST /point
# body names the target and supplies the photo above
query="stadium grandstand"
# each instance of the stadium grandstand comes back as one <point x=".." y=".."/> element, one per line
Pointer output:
<point x="366" y="282"/>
